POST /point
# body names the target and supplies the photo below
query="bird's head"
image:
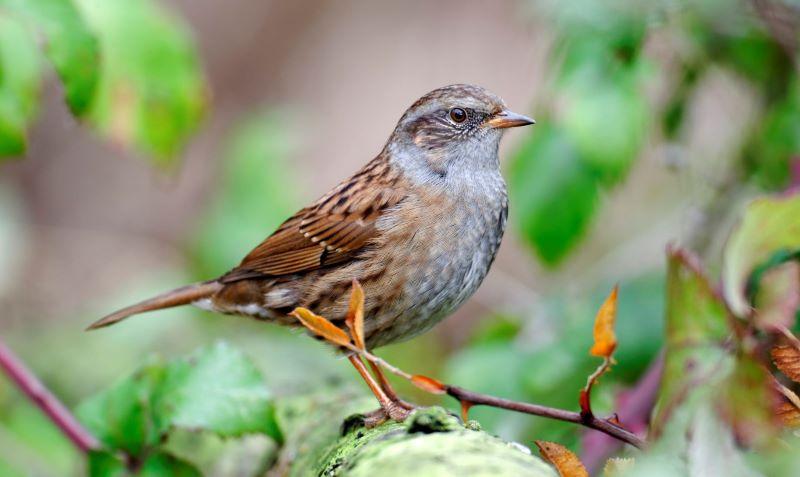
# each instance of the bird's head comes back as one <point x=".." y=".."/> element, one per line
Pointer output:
<point x="456" y="126"/>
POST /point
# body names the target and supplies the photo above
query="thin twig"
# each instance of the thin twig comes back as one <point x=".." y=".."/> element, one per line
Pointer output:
<point x="40" y="396"/>
<point x="592" y="422"/>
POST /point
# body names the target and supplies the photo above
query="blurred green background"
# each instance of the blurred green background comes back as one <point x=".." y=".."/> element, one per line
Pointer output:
<point x="655" y="122"/>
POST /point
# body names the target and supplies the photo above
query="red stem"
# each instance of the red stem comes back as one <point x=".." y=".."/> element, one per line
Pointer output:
<point x="40" y="396"/>
<point x="633" y="408"/>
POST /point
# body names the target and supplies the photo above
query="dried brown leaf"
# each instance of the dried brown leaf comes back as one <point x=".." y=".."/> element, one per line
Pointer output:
<point x="566" y="463"/>
<point x="605" y="341"/>
<point x="787" y="359"/>
<point x="321" y="326"/>
<point x="430" y="385"/>
<point x="788" y="414"/>
<point x="355" y="315"/>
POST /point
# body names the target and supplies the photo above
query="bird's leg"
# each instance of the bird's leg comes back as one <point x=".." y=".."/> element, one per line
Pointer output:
<point x="390" y="408"/>
<point x="387" y="387"/>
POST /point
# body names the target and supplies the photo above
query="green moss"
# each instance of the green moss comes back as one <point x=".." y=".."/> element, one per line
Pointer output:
<point x="431" y="442"/>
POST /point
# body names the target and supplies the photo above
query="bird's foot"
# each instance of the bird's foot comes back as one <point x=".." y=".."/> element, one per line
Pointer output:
<point x="406" y="405"/>
<point x="396" y="411"/>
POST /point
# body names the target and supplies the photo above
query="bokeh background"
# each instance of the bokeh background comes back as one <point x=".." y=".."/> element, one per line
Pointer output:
<point x="648" y="117"/>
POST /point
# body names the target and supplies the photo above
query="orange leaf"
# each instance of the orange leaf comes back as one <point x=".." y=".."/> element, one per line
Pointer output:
<point x="430" y="385"/>
<point x="465" y="406"/>
<point x="605" y="341"/>
<point x="787" y="359"/>
<point x="355" y="315"/>
<point x="566" y="463"/>
<point x="321" y="326"/>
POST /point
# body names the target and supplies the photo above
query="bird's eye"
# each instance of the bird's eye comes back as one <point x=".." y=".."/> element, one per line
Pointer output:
<point x="458" y="115"/>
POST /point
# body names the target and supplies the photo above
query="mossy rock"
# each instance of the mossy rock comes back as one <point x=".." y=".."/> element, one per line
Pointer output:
<point x="324" y="439"/>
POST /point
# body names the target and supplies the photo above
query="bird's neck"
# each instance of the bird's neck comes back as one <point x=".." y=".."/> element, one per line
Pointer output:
<point x="467" y="172"/>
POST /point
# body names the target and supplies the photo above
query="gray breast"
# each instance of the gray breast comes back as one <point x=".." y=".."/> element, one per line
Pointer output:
<point x="451" y="274"/>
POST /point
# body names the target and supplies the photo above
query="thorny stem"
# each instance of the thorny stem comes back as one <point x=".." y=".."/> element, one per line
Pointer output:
<point x="40" y="396"/>
<point x="478" y="399"/>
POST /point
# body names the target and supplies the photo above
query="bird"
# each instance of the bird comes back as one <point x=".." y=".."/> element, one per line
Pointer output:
<point x="418" y="227"/>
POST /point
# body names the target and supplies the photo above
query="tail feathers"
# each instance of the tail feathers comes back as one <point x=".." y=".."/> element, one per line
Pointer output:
<point x="176" y="297"/>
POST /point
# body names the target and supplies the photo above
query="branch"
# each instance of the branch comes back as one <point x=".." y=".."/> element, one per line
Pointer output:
<point x="470" y="398"/>
<point x="592" y="422"/>
<point x="42" y="398"/>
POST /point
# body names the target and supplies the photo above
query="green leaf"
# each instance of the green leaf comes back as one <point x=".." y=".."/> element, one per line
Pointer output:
<point x="152" y="94"/>
<point x="20" y="81"/>
<point x="104" y="464"/>
<point x="216" y="389"/>
<point x="68" y="44"/>
<point x="696" y="327"/>
<point x="769" y="225"/>
<point x="160" y="464"/>
<point x="256" y="192"/>
<point x="554" y="194"/>
<point x="746" y="402"/>
<point x="165" y="465"/>
<point x="121" y="417"/>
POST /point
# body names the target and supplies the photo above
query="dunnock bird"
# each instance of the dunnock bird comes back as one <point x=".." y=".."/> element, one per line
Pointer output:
<point x="418" y="227"/>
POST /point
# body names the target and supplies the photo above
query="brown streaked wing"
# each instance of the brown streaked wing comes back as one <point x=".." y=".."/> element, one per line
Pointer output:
<point x="329" y="232"/>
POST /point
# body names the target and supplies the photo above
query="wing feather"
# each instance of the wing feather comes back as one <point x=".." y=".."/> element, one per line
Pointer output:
<point x="331" y="231"/>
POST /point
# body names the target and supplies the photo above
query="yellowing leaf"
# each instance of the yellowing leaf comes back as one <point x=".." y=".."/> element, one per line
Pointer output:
<point x="430" y="385"/>
<point x="321" y="326"/>
<point x="769" y="224"/>
<point x="605" y="341"/>
<point x="566" y="463"/>
<point x="787" y="359"/>
<point x="618" y="466"/>
<point x="355" y="315"/>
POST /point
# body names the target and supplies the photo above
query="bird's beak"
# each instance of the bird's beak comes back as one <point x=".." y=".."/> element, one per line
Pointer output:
<point x="508" y="119"/>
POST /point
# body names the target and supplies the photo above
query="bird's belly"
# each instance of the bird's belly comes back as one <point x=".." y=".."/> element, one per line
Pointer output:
<point x="441" y="277"/>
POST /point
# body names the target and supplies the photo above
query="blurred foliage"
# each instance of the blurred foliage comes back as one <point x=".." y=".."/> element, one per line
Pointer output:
<point x="19" y="83"/>
<point x="716" y="404"/>
<point x="254" y="195"/>
<point x="138" y="81"/>
<point x="602" y="108"/>
<point x="500" y="359"/>
<point x="68" y="43"/>
<point x="130" y="68"/>
<point x="151" y="93"/>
